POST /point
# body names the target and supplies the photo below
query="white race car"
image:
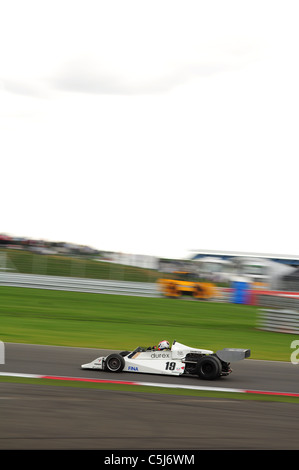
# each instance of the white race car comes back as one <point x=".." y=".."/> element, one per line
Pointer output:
<point x="178" y="360"/>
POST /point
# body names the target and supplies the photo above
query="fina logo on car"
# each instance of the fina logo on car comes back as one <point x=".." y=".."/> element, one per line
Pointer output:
<point x="135" y="369"/>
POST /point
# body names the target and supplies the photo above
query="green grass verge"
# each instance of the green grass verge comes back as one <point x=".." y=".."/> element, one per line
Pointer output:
<point x="155" y="390"/>
<point x="39" y="316"/>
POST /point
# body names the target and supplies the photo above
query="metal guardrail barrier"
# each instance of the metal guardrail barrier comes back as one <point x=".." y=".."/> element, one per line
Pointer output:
<point x="280" y="301"/>
<point x="279" y="320"/>
<point x="98" y="286"/>
<point x="280" y="313"/>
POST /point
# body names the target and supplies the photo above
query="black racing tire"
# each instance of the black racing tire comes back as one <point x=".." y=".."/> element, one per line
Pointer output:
<point x="198" y="293"/>
<point x="208" y="368"/>
<point x="114" y="363"/>
<point x="172" y="291"/>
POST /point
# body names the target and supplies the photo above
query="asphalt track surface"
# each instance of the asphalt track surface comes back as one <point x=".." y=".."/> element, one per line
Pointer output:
<point x="52" y="417"/>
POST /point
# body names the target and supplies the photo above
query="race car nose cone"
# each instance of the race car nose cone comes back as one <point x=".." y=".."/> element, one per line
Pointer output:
<point x="85" y="366"/>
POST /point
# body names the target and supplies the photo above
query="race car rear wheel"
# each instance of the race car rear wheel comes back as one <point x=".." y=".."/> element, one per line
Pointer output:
<point x="114" y="363"/>
<point x="208" y="368"/>
<point x="198" y="293"/>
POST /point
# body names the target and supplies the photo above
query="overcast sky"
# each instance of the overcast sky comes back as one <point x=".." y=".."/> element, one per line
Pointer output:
<point x="151" y="127"/>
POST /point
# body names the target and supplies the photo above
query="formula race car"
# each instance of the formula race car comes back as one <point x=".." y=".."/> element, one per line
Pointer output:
<point x="177" y="360"/>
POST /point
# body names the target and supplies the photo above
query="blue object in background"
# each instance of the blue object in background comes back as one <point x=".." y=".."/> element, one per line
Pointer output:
<point x="241" y="291"/>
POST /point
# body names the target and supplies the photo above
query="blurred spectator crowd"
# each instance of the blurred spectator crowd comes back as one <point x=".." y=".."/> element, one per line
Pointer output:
<point x="44" y="247"/>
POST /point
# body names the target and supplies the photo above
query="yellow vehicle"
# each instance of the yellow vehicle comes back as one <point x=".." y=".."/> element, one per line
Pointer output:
<point x="186" y="283"/>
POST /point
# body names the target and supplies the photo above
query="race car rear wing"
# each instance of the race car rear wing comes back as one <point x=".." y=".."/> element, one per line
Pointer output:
<point x="232" y="355"/>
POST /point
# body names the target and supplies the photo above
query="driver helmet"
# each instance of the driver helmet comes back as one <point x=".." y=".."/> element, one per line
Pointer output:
<point x="163" y="345"/>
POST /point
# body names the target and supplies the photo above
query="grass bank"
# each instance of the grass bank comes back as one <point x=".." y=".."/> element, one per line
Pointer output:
<point x="27" y="262"/>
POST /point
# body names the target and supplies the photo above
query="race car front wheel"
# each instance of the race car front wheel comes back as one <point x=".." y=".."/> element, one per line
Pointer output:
<point x="208" y="368"/>
<point x="114" y="363"/>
